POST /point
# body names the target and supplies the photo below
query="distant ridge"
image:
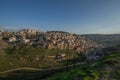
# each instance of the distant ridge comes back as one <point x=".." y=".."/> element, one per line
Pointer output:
<point x="105" y="39"/>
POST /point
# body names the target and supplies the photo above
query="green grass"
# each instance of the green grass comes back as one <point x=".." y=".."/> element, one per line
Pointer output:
<point x="76" y="74"/>
<point x="106" y="68"/>
<point x="16" y="57"/>
<point x="107" y="59"/>
<point x="102" y="70"/>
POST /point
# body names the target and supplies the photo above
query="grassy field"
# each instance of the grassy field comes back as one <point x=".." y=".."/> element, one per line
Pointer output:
<point x="17" y="57"/>
<point x="28" y="63"/>
<point x="107" y="68"/>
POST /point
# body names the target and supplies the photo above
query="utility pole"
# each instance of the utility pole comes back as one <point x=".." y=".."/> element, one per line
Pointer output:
<point x="1" y="29"/>
<point x="74" y="59"/>
<point x="67" y="56"/>
<point x="66" y="61"/>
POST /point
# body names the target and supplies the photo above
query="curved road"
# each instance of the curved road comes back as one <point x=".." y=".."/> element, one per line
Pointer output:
<point x="35" y="69"/>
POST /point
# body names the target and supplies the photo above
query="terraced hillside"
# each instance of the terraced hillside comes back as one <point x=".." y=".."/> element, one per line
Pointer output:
<point x="107" y="68"/>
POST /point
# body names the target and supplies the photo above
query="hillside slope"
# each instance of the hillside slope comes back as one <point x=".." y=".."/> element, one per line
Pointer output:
<point x="3" y="45"/>
<point x="107" y="68"/>
<point x="106" y="40"/>
<point x="49" y="40"/>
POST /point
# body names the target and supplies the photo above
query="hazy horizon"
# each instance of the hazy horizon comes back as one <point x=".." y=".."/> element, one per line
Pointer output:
<point x="75" y="16"/>
<point x="10" y="29"/>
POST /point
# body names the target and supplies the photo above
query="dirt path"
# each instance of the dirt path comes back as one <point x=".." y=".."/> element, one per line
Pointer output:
<point x="35" y="69"/>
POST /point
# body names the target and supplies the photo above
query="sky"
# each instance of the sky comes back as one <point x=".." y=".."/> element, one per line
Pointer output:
<point x="75" y="16"/>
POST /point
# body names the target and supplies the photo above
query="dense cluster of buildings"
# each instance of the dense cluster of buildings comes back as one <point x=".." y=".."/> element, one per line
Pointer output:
<point x="50" y="39"/>
<point x="98" y="53"/>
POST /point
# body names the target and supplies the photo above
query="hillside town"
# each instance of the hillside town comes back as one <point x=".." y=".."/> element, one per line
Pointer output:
<point x="49" y="39"/>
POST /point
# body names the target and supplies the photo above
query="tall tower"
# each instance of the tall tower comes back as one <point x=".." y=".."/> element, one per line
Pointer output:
<point x="1" y="29"/>
<point x="1" y="33"/>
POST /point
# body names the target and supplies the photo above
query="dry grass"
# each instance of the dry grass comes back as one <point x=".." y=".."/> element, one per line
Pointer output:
<point x="3" y="45"/>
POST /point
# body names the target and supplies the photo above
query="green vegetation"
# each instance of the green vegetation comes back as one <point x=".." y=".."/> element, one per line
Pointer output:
<point x="103" y="70"/>
<point x="107" y="68"/>
<point x="27" y="56"/>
